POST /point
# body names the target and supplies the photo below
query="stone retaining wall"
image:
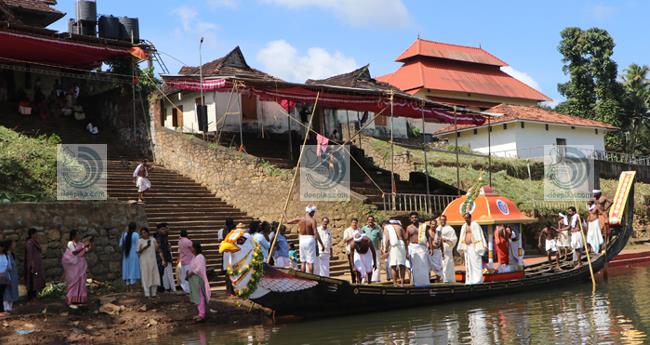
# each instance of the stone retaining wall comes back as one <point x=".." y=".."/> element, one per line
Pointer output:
<point x="104" y="220"/>
<point x="245" y="181"/>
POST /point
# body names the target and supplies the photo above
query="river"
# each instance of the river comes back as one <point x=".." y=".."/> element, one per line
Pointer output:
<point x="618" y="313"/>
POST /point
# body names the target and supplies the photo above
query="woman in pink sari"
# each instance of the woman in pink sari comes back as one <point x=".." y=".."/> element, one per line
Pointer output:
<point x="198" y="279"/>
<point x="74" y="268"/>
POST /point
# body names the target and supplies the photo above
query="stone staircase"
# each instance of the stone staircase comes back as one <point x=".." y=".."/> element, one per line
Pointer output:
<point x="183" y="204"/>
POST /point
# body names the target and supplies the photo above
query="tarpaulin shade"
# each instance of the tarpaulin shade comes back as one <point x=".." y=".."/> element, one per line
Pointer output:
<point x="487" y="208"/>
<point x="333" y="97"/>
<point x="35" y="48"/>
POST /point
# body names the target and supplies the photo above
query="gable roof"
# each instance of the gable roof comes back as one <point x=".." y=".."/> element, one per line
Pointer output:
<point x="455" y="52"/>
<point x="359" y="78"/>
<point x="232" y="64"/>
<point x="449" y="76"/>
<point x="526" y="113"/>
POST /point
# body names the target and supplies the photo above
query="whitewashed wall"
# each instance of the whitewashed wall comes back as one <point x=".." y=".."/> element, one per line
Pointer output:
<point x="527" y="142"/>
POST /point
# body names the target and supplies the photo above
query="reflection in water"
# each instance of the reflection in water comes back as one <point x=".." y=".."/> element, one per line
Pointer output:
<point x="617" y="314"/>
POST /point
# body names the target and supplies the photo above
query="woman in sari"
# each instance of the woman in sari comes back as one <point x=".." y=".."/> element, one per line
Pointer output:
<point x="74" y="269"/>
<point x="34" y="271"/>
<point x="198" y="279"/>
<point x="11" y="292"/>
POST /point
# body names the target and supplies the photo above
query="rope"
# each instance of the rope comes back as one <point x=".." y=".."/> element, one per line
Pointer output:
<point x="293" y="181"/>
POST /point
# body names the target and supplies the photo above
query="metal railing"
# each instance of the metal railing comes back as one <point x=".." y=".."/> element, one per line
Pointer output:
<point x="601" y="155"/>
<point x="407" y="202"/>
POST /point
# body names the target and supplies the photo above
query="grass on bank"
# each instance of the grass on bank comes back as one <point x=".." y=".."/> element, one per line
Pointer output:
<point x="527" y="194"/>
<point x="27" y="167"/>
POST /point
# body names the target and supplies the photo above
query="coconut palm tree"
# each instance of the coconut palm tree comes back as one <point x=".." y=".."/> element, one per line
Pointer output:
<point x="636" y="104"/>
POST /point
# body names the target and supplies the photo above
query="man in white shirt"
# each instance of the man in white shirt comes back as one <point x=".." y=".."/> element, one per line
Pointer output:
<point x="449" y="240"/>
<point x="141" y="179"/>
<point x="348" y="239"/>
<point x="472" y="246"/>
<point x="325" y="252"/>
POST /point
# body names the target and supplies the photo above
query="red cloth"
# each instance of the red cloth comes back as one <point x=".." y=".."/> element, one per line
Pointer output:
<point x="502" y="244"/>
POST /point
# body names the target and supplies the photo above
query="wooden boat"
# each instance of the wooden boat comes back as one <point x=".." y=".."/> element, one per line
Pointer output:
<point x="290" y="292"/>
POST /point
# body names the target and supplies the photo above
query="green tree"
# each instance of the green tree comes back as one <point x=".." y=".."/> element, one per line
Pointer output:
<point x="636" y="103"/>
<point x="592" y="90"/>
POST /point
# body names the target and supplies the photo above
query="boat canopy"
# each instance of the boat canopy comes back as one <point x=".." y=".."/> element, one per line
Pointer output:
<point x="488" y="208"/>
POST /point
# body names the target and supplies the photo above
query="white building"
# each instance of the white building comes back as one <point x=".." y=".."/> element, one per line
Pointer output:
<point x="523" y="131"/>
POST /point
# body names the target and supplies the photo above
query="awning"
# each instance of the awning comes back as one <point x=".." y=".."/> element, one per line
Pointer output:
<point x="332" y="97"/>
<point x="30" y="47"/>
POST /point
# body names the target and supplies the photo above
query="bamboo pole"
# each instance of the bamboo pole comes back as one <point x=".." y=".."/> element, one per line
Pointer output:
<point x="293" y="180"/>
<point x="456" y="150"/>
<point x="584" y="243"/>
<point x="426" y="162"/>
<point x="393" y="190"/>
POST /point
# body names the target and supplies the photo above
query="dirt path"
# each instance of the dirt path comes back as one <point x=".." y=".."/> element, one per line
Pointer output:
<point x="52" y="322"/>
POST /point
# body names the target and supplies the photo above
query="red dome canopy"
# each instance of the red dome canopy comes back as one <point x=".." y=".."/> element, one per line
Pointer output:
<point x="487" y="208"/>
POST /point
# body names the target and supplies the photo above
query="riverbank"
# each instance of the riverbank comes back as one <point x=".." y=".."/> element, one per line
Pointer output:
<point x="111" y="318"/>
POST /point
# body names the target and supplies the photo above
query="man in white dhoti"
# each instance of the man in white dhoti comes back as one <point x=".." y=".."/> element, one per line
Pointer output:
<point x="594" y="235"/>
<point x="449" y="240"/>
<point x="417" y="250"/>
<point x="563" y="235"/>
<point x="325" y="253"/>
<point x="472" y="246"/>
<point x="307" y="238"/>
<point x="141" y="179"/>
<point x="434" y="245"/>
<point x="374" y="233"/>
<point x="348" y="240"/>
<point x="577" y="243"/>
<point x="364" y="258"/>
<point x="395" y="246"/>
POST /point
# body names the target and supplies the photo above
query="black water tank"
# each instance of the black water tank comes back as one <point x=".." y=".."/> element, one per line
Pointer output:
<point x="130" y="28"/>
<point x="110" y="27"/>
<point x="87" y="28"/>
<point x="87" y="11"/>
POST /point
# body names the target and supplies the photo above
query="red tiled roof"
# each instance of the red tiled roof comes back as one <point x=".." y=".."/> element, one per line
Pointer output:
<point x="527" y="113"/>
<point x="34" y="5"/>
<point x="471" y="78"/>
<point x="449" y="52"/>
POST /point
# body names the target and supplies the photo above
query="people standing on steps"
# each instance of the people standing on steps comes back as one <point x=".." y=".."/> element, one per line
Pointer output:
<point x="281" y="250"/>
<point x="325" y="254"/>
<point x="185" y="257"/>
<point x="375" y="234"/>
<point x="141" y="179"/>
<point x="130" y="260"/>
<point x="34" y="272"/>
<point x="166" y="268"/>
<point x="262" y="238"/>
<point x="147" y="249"/>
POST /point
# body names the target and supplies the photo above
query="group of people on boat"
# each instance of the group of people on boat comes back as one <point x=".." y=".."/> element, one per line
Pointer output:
<point x="577" y="235"/>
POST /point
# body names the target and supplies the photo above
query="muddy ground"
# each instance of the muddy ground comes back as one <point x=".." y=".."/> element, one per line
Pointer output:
<point x="50" y="321"/>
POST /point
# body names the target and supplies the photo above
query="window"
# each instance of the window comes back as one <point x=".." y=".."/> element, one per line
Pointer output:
<point x="560" y="141"/>
<point x="522" y="125"/>
<point x="596" y="129"/>
<point x="475" y="131"/>
<point x="546" y="126"/>
<point x="490" y="128"/>
<point x="505" y="126"/>
<point x="458" y="134"/>
<point x="573" y="127"/>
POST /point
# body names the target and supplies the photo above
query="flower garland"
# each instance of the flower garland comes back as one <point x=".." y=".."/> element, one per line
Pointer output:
<point x="255" y="267"/>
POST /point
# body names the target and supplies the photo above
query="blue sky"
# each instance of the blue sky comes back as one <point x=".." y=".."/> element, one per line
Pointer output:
<point x="299" y="39"/>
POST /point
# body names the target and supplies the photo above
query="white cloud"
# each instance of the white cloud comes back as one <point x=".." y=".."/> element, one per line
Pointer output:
<point x="522" y="77"/>
<point x="602" y="11"/>
<point x="281" y="59"/>
<point x="387" y="13"/>
<point x="192" y="25"/>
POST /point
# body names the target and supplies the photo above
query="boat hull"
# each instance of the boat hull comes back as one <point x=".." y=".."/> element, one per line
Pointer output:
<point x="333" y="297"/>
